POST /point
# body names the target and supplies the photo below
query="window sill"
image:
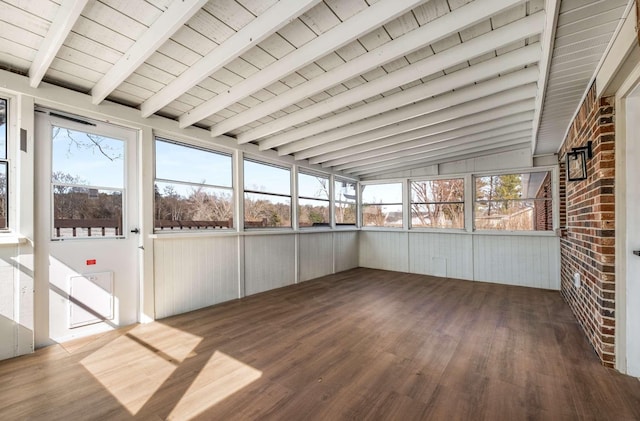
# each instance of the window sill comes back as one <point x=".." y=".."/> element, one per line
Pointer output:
<point x="12" y="240"/>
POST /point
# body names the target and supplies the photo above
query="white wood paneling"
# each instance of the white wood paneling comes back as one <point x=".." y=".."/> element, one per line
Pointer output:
<point x="427" y="251"/>
<point x="345" y="250"/>
<point x="526" y="260"/>
<point x="532" y="261"/>
<point x="191" y="273"/>
<point x="269" y="262"/>
<point x="315" y="253"/>
<point x="386" y="250"/>
<point x="8" y="305"/>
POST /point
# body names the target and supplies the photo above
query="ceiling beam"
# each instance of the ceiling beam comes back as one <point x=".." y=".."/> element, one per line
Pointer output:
<point x="438" y="149"/>
<point x="552" y="9"/>
<point x="473" y="111"/>
<point x="475" y="47"/>
<point x="475" y="146"/>
<point x="172" y="19"/>
<point x="440" y="28"/>
<point x="431" y="143"/>
<point x="340" y="35"/>
<point x="256" y="31"/>
<point x="428" y="160"/>
<point x="427" y="106"/>
<point x="68" y="12"/>
<point x="481" y="71"/>
<point x="505" y="124"/>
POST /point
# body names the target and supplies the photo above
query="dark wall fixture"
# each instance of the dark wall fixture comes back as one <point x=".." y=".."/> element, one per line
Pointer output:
<point x="577" y="162"/>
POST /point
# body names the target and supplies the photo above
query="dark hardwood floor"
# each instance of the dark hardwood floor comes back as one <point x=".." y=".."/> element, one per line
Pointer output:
<point x="362" y="344"/>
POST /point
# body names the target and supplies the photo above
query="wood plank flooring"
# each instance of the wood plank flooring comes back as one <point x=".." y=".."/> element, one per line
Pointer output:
<point x="361" y="344"/>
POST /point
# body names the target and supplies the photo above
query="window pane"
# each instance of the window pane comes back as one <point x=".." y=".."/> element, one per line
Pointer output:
<point x="382" y="193"/>
<point x="451" y="190"/>
<point x="313" y="186"/>
<point x="266" y="178"/>
<point x="204" y="167"/>
<point x="313" y="213"/>
<point x="87" y="159"/>
<point x="519" y="202"/>
<point x="179" y="206"/>
<point x="86" y="212"/>
<point x="444" y="215"/>
<point x="345" y="202"/>
<point x="266" y="211"/>
<point x="3" y="195"/>
<point x="382" y="216"/>
<point x="3" y="129"/>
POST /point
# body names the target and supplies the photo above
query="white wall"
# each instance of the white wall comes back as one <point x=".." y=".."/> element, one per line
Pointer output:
<point x="526" y="260"/>
<point x="192" y="272"/>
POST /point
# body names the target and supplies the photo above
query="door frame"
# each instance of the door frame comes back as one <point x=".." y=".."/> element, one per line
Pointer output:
<point x="627" y="201"/>
<point x="43" y="216"/>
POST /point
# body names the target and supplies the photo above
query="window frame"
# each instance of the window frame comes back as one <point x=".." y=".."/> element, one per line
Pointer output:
<point x="279" y="165"/>
<point x="403" y="186"/>
<point x="554" y="199"/>
<point x="7" y="161"/>
<point x="342" y="225"/>
<point x="465" y="188"/>
<point x="231" y="189"/>
<point x="310" y="173"/>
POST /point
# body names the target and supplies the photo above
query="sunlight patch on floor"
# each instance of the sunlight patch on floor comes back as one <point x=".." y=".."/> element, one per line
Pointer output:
<point x="134" y="366"/>
<point x="220" y="378"/>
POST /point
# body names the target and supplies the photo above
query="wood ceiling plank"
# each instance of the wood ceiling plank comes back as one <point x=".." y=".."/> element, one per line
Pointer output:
<point x="250" y="35"/>
<point x="472" y="48"/>
<point x="337" y="37"/>
<point x="232" y="13"/>
<point x="488" y="69"/>
<point x="394" y="50"/>
<point x="416" y="127"/>
<point x="506" y="126"/>
<point x="146" y="44"/>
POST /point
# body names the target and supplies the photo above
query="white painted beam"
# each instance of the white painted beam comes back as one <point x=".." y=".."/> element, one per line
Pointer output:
<point x="521" y="29"/>
<point x="441" y="148"/>
<point x="481" y="71"/>
<point x="432" y="143"/>
<point x="394" y="117"/>
<point x="428" y="160"/>
<point x="276" y="17"/>
<point x="516" y="122"/>
<point x="474" y="111"/>
<point x="172" y="19"/>
<point x="66" y="17"/>
<point x="340" y="35"/>
<point x="552" y="9"/>
<point x="433" y="31"/>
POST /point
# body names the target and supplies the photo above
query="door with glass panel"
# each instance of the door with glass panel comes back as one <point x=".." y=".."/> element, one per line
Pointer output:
<point x="92" y="223"/>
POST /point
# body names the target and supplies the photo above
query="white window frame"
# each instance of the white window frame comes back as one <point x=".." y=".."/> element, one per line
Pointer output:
<point x="555" y="201"/>
<point x="403" y="184"/>
<point x="168" y="139"/>
<point x="311" y="173"/>
<point x="339" y="179"/>
<point x="465" y="204"/>
<point x="291" y="196"/>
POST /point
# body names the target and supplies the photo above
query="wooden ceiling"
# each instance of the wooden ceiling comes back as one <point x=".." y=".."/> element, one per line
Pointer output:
<point x="362" y="87"/>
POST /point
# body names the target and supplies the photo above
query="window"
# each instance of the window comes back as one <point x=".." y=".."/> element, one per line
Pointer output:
<point x="4" y="167"/>
<point x="313" y="200"/>
<point x="437" y="203"/>
<point x="267" y="195"/>
<point x="193" y="188"/>
<point x="382" y="205"/>
<point x="345" y="202"/>
<point x="514" y="202"/>
<point x="87" y="182"/>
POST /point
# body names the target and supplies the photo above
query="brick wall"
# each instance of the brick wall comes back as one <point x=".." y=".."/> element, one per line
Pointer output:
<point x="588" y="218"/>
<point x="543" y="209"/>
